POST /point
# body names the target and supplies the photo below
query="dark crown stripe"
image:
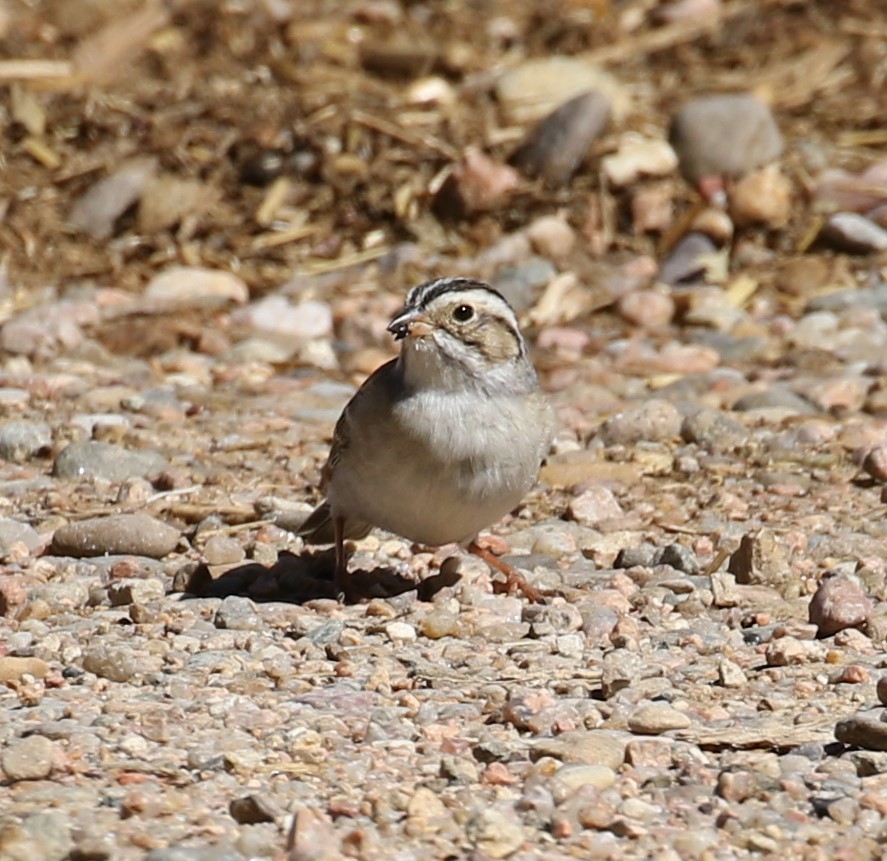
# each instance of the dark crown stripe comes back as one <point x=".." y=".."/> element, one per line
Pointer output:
<point x="429" y="291"/>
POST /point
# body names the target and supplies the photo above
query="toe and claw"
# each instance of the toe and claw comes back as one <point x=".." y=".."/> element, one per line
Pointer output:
<point x="514" y="582"/>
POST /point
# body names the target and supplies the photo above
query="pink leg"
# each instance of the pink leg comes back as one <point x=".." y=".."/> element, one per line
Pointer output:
<point x="514" y="580"/>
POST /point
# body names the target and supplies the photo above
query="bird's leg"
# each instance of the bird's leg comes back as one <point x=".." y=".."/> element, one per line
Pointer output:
<point x="514" y="580"/>
<point x="341" y="576"/>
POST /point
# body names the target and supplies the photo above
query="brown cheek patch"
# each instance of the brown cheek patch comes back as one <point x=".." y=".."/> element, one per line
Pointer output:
<point x="497" y="341"/>
<point x="489" y="334"/>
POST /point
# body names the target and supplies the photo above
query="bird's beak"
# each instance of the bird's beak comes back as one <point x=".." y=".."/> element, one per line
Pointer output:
<point x="409" y="323"/>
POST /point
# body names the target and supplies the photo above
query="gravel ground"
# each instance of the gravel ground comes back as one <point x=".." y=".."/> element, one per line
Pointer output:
<point x="706" y="676"/>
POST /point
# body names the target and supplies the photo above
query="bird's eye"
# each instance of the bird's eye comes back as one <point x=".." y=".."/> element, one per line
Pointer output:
<point x="463" y="313"/>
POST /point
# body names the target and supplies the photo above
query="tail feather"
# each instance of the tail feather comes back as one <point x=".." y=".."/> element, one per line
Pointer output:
<point x="319" y="529"/>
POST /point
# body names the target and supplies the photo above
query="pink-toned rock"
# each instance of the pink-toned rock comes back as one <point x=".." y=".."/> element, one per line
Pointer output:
<point x="787" y="651"/>
<point x="649" y="753"/>
<point x="839" y="189"/>
<point x="312" y="837"/>
<point x="594" y="505"/>
<point x="840" y="393"/>
<point x="686" y="10"/>
<point x="840" y="602"/>
<point x="194" y="287"/>
<point x="638" y="156"/>
<point x="14" y="590"/>
<point x="763" y="197"/>
<point x="563" y="339"/>
<point x="649" y="309"/>
<point x="687" y="359"/>
<point x="478" y="183"/>
<point x="521" y="709"/>
<point x="48" y="329"/>
<point x="653" y="420"/>
<point x="852" y="674"/>
<point x="652" y="209"/>
<point x="551" y="236"/>
<point x="277" y="315"/>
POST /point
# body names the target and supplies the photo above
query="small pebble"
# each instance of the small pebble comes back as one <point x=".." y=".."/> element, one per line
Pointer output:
<point x="863" y="731"/>
<point x="688" y="259"/>
<point x="555" y="149"/>
<point x="656" y="718"/>
<point x="183" y="287"/>
<point x="135" y="534"/>
<point x="21" y="440"/>
<point x="223" y="550"/>
<point x="551" y="236"/>
<point x="96" y="212"/>
<point x="854" y="233"/>
<point x="79" y="460"/>
<point x="727" y="134"/>
<point x="638" y="156"/>
<point x="652" y="420"/>
<point x="535" y="87"/>
<point x="840" y="602"/>
<point x="649" y="309"/>
<point x="477" y="183"/>
<point x="400" y="632"/>
<point x="574" y="775"/>
<point x="28" y="758"/>
<point x="116" y="663"/>
<point x="763" y="197"/>
<point x="594" y="505"/>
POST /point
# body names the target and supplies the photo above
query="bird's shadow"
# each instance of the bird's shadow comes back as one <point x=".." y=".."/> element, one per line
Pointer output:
<point x="306" y="577"/>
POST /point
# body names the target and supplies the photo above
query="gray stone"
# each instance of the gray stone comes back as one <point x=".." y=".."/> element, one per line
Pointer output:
<point x="652" y="420"/>
<point x="849" y="231"/>
<point x="556" y="147"/>
<point x="714" y="431"/>
<point x="21" y="440"/>
<point x="678" y="557"/>
<point x="51" y="831"/>
<point x="103" y="460"/>
<point x="591" y="747"/>
<point x="728" y="134"/>
<point x="236" y="613"/>
<point x="96" y="212"/>
<point x="135" y="591"/>
<point x="28" y="759"/>
<point x="864" y="731"/>
<point x="136" y="534"/>
<point x="874" y="297"/>
<point x="13" y="532"/>
<point x="114" y="662"/>
<point x="194" y="853"/>
<point x="496" y="833"/>
<point x="686" y="261"/>
<point x="776" y="397"/>
<point x="655" y="718"/>
<point x="522" y="284"/>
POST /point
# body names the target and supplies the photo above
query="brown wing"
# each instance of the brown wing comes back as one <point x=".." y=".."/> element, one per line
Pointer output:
<point x="318" y="528"/>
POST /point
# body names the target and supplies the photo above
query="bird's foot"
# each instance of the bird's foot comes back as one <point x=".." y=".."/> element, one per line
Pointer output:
<point x="514" y="580"/>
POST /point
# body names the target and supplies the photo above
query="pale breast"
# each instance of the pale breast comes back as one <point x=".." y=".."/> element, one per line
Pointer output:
<point x="436" y="470"/>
